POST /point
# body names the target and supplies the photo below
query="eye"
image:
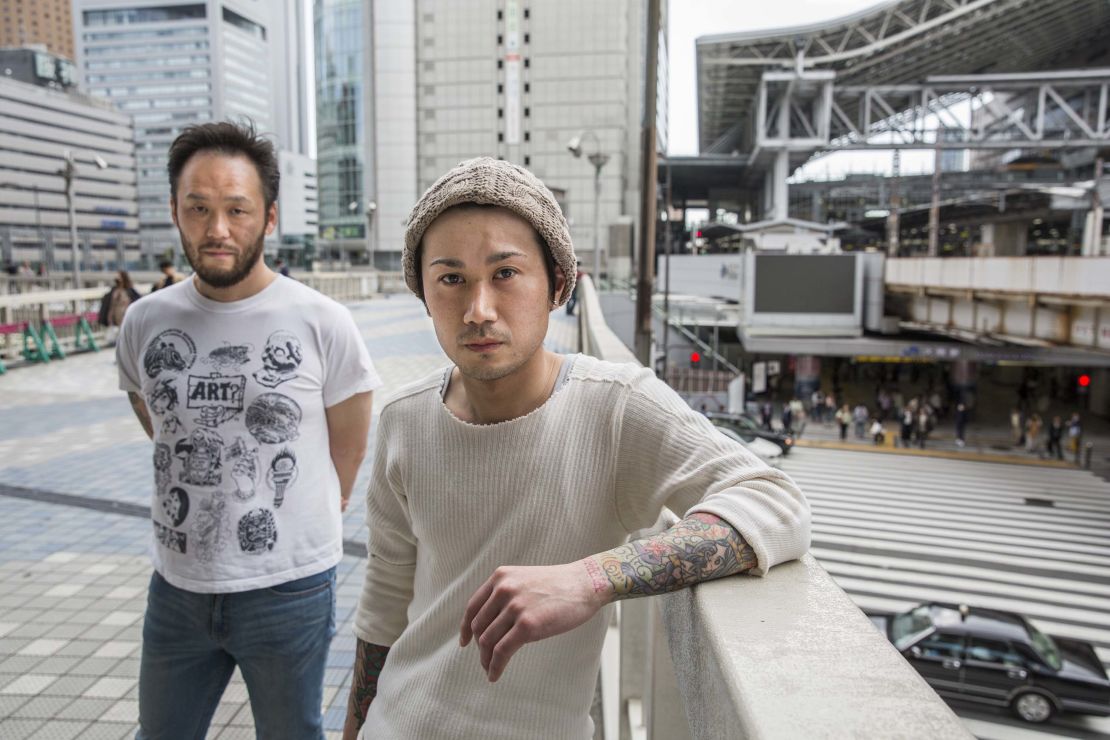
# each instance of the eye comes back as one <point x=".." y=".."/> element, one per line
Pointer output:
<point x="199" y="209"/>
<point x="237" y="211"/>
<point x="451" y="279"/>
<point x="505" y="272"/>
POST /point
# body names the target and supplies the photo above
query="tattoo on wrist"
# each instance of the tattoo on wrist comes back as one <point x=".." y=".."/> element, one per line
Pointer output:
<point x="699" y="548"/>
<point x="597" y="577"/>
<point x="369" y="660"/>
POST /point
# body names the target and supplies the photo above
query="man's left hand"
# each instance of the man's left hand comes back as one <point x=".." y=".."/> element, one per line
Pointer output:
<point x="522" y="604"/>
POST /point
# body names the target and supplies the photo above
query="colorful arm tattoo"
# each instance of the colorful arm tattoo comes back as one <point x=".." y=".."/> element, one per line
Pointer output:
<point x="369" y="659"/>
<point x="699" y="548"/>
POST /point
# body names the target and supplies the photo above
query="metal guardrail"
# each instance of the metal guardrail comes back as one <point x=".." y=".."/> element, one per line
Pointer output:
<point x="37" y="303"/>
<point x="784" y="656"/>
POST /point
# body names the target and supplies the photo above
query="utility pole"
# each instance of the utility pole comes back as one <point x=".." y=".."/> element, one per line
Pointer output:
<point x="893" y="219"/>
<point x="645" y="278"/>
<point x="934" y="207"/>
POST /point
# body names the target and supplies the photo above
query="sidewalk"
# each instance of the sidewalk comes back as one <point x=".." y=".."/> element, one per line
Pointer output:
<point x="987" y="445"/>
<point x="75" y="484"/>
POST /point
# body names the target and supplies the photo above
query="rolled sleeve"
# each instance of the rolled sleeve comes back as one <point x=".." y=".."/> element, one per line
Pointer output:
<point x="349" y="369"/>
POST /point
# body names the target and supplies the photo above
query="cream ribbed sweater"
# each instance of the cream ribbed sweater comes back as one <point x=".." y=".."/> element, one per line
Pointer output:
<point x="449" y="502"/>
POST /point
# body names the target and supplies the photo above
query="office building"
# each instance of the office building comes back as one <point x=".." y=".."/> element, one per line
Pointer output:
<point x="46" y="23"/>
<point x="407" y="89"/>
<point x="171" y="65"/>
<point x="297" y="207"/>
<point x="44" y="117"/>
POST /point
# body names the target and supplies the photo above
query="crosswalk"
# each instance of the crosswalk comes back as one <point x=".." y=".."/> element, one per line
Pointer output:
<point x="897" y="530"/>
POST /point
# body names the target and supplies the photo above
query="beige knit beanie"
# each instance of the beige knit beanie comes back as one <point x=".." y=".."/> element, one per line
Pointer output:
<point x="489" y="181"/>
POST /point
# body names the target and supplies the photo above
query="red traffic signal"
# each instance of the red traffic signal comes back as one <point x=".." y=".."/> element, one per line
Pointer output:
<point x="1084" y="380"/>
<point x="695" y="358"/>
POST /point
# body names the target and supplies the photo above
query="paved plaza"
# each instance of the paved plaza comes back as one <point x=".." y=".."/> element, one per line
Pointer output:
<point x="892" y="529"/>
<point x="75" y="484"/>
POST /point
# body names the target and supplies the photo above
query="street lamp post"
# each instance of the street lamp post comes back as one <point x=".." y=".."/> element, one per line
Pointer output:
<point x="371" y="209"/>
<point x="598" y="160"/>
<point x="69" y="173"/>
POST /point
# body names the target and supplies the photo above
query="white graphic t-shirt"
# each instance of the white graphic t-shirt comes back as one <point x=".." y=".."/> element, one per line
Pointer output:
<point x="245" y="492"/>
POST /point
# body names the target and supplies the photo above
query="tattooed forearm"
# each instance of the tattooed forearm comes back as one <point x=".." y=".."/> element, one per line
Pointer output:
<point x="369" y="659"/>
<point x="139" y="407"/>
<point x="699" y="548"/>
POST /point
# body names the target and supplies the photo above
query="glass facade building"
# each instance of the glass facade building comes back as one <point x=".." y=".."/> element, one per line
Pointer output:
<point x="341" y="130"/>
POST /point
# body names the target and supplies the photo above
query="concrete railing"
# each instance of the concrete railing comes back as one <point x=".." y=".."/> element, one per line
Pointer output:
<point x="784" y="656"/>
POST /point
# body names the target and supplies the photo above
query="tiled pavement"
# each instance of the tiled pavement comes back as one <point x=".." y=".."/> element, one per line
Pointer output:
<point x="73" y="578"/>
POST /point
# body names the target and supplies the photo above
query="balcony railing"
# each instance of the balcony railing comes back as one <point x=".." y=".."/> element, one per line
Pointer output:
<point x="784" y="656"/>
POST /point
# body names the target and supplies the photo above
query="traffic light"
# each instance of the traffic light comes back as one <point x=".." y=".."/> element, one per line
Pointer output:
<point x="695" y="359"/>
<point x="1084" y="382"/>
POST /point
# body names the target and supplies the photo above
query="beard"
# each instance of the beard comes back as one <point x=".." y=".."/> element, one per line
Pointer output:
<point x="224" y="278"/>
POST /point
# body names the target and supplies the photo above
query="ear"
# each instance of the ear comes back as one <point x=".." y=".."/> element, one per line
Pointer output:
<point x="271" y="218"/>
<point x="173" y="211"/>
<point x="560" y="286"/>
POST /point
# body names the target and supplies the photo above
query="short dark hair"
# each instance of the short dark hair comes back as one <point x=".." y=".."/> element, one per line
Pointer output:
<point x="226" y="137"/>
<point x="164" y="264"/>
<point x="548" y="257"/>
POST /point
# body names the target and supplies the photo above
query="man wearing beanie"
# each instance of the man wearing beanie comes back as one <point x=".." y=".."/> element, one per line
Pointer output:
<point x="504" y="488"/>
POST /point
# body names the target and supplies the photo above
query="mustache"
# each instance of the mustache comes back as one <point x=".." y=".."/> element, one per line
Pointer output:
<point x="472" y="336"/>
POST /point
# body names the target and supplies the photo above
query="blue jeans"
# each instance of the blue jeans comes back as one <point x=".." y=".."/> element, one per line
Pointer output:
<point x="278" y="637"/>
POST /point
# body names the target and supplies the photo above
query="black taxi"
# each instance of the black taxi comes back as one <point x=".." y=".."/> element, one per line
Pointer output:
<point x="999" y="658"/>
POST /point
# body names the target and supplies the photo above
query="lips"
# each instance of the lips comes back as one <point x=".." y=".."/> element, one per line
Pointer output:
<point x="482" y="346"/>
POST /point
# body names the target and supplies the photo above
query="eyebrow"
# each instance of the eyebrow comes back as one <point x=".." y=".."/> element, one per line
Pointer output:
<point x="233" y="198"/>
<point x="492" y="259"/>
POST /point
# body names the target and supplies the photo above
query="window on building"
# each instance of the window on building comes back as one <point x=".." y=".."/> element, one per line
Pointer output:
<point x="526" y="12"/>
<point x="527" y="135"/>
<point x="527" y="38"/>
<point x="500" y="64"/>
<point x="152" y="14"/>
<point x="500" y="15"/>
<point x="527" y="62"/>
<point x="527" y="87"/>
<point x="527" y="160"/>
<point x="500" y="136"/>
<point x="500" y="112"/>
<point x="527" y="111"/>
<point x="500" y="88"/>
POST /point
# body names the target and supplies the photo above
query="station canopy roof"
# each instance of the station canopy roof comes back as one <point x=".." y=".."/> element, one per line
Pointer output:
<point x="896" y="42"/>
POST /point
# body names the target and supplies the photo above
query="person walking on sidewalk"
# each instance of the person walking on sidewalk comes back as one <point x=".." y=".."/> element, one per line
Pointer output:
<point x="1055" y="438"/>
<point x="1033" y="433"/>
<point x="504" y="488"/>
<point x="906" y="428"/>
<point x="1075" y="436"/>
<point x="923" y="426"/>
<point x="860" y="415"/>
<point x="843" y="419"/>
<point x="264" y="397"/>
<point x="961" y="424"/>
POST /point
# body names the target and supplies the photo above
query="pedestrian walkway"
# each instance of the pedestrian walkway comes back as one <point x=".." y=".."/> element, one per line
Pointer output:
<point x="75" y="482"/>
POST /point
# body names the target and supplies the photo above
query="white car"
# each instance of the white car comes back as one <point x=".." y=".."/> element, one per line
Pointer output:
<point x="768" y="452"/>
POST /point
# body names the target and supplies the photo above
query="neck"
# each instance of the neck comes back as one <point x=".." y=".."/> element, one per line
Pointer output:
<point x="256" y="281"/>
<point x="510" y="397"/>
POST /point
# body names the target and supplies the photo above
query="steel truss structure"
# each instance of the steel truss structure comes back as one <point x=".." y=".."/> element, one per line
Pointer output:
<point x="808" y="111"/>
<point x="901" y="44"/>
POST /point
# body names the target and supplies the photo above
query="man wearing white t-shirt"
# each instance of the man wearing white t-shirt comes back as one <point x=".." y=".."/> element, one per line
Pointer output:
<point x="505" y="487"/>
<point x="256" y="392"/>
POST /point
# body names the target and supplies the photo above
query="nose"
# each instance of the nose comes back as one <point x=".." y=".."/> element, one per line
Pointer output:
<point x="217" y="230"/>
<point x="481" y="307"/>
